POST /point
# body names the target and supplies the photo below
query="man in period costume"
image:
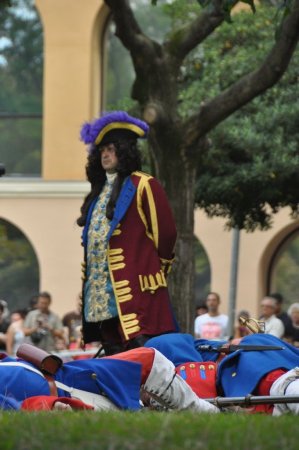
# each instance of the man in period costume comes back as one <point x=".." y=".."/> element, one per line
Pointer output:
<point x="108" y="383"/>
<point x="257" y="369"/>
<point x="129" y="236"/>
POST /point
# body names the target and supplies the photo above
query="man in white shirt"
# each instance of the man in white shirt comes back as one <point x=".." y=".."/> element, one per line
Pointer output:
<point x="273" y="325"/>
<point x="211" y="325"/>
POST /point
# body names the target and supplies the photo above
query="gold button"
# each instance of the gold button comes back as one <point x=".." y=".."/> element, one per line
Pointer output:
<point x="94" y="376"/>
<point x="234" y="374"/>
<point x="192" y="366"/>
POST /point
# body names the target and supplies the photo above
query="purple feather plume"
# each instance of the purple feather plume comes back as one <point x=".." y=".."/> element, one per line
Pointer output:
<point x="90" y="131"/>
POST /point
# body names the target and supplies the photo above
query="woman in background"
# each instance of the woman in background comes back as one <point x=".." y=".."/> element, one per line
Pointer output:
<point x="15" y="334"/>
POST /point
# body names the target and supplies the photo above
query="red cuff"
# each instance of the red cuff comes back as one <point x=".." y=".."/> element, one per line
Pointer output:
<point x="47" y="402"/>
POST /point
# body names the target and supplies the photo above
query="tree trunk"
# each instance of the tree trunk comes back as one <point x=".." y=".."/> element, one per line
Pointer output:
<point x="178" y="173"/>
<point x="181" y="196"/>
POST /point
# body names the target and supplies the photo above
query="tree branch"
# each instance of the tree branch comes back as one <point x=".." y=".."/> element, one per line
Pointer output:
<point x="187" y="38"/>
<point x="127" y="27"/>
<point x="252" y="84"/>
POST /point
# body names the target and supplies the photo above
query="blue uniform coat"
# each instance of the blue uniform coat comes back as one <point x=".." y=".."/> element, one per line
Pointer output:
<point x="119" y="380"/>
<point x="240" y="372"/>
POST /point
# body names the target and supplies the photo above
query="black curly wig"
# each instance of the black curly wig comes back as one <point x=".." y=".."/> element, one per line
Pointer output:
<point x="129" y="160"/>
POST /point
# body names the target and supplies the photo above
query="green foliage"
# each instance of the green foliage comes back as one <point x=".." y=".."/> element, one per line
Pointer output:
<point x="21" y="88"/>
<point x="5" y="3"/>
<point x="230" y="52"/>
<point x="19" y="275"/>
<point x="119" y="72"/>
<point x="252" y="167"/>
<point x="20" y="145"/>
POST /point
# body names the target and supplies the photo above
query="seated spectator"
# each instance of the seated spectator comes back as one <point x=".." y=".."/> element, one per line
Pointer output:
<point x="15" y="334"/>
<point x="273" y="325"/>
<point x="211" y="325"/>
<point x="293" y="312"/>
<point x="42" y="325"/>
<point x="289" y="330"/>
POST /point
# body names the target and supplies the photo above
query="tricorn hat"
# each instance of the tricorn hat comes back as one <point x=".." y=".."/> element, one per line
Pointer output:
<point x="113" y="126"/>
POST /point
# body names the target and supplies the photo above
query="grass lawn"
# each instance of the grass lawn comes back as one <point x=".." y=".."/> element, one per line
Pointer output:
<point x="146" y="431"/>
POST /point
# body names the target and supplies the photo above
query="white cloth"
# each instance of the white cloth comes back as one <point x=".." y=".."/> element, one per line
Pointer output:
<point x="111" y="177"/>
<point x="171" y="390"/>
<point x="99" y="402"/>
<point x="274" y="326"/>
<point x="211" y="327"/>
<point x="287" y="384"/>
<point x="25" y="366"/>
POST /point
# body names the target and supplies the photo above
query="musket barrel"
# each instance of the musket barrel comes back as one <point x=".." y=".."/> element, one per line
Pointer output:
<point x="250" y="400"/>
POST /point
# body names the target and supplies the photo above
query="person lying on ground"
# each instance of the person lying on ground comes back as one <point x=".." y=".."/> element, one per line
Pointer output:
<point x="256" y="370"/>
<point x="109" y="383"/>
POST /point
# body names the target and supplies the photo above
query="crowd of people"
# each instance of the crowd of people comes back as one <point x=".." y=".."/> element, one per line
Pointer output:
<point x="40" y="326"/>
<point x="209" y="323"/>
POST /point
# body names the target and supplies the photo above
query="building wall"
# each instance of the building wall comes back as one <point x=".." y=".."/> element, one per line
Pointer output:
<point x="46" y="210"/>
<point x="46" y="213"/>
<point x="72" y="81"/>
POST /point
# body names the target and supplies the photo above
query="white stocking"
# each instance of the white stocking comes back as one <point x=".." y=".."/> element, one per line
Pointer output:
<point x="171" y="390"/>
<point x="287" y="384"/>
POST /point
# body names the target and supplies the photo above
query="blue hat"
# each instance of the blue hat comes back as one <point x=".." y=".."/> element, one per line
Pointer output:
<point x="112" y="126"/>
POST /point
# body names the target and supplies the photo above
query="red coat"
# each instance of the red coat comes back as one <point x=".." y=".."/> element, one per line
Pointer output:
<point x="140" y="254"/>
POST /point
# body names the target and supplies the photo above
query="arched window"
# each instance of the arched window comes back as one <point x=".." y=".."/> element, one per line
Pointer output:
<point x="284" y="269"/>
<point x="202" y="273"/>
<point x="21" y="79"/>
<point x="19" y="270"/>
